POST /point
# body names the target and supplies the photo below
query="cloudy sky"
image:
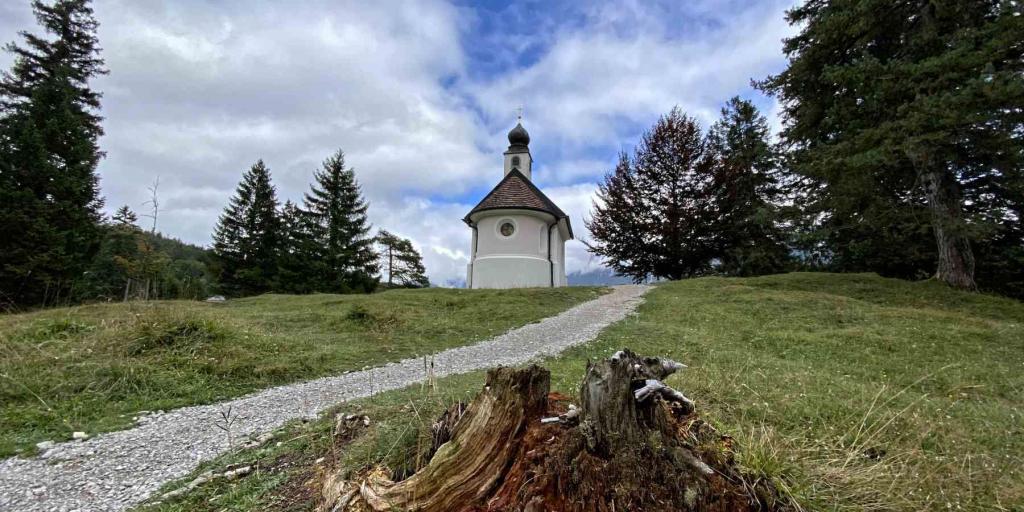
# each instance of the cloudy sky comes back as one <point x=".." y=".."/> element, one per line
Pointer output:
<point x="418" y="94"/>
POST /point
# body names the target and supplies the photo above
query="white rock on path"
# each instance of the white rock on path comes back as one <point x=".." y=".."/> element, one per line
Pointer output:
<point x="117" y="470"/>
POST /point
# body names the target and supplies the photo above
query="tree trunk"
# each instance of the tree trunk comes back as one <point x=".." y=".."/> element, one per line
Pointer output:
<point x="467" y="470"/>
<point x="956" y="259"/>
<point x="634" y="444"/>
<point x="614" y="418"/>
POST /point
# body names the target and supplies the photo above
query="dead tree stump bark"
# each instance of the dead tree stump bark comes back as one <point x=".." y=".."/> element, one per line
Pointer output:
<point x="633" y="444"/>
<point x="619" y="408"/>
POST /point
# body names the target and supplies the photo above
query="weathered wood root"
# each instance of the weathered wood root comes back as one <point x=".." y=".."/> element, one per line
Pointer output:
<point x="634" y="443"/>
<point x="467" y="468"/>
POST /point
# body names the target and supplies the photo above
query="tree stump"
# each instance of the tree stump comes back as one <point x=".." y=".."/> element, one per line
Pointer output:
<point x="633" y="444"/>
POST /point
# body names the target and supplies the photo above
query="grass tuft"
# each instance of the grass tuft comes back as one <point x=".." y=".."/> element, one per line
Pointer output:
<point x="171" y="330"/>
<point x="61" y="328"/>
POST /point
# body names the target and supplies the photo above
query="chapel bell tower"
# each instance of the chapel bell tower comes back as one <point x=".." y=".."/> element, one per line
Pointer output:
<point x="519" y="233"/>
<point x="518" y="154"/>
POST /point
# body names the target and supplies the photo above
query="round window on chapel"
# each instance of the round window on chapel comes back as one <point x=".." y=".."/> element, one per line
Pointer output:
<point x="507" y="229"/>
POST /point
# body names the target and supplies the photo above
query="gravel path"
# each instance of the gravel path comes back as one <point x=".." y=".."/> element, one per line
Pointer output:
<point x="117" y="470"/>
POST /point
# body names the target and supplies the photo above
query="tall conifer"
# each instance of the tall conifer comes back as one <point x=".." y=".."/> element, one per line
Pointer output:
<point x="299" y="267"/>
<point x="746" y="194"/>
<point x="905" y="118"/>
<point x="247" y="240"/>
<point x="337" y="212"/>
<point x="654" y="215"/>
<point x="49" y="127"/>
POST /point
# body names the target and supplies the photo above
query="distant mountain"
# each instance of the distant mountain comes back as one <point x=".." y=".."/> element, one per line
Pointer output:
<point x="455" y="282"/>
<point x="597" y="277"/>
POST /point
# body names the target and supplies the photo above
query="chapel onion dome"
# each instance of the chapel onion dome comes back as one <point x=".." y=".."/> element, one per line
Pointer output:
<point x="518" y="136"/>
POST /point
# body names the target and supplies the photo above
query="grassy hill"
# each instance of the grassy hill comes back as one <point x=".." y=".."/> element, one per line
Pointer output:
<point x="851" y="392"/>
<point x="90" y="368"/>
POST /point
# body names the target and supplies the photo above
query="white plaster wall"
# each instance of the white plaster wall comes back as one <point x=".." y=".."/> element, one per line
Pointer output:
<point x="525" y="164"/>
<point x="518" y="261"/>
<point x="558" y="257"/>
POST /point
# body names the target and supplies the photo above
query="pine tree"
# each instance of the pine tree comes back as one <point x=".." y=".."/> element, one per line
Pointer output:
<point x="299" y="266"/>
<point x="128" y="264"/>
<point x="49" y="224"/>
<point x="746" y="194"/>
<point x="337" y="213"/>
<point x="906" y="117"/>
<point x="400" y="262"/>
<point x="109" y="276"/>
<point x="655" y="212"/>
<point x="124" y="216"/>
<point x="247" y="240"/>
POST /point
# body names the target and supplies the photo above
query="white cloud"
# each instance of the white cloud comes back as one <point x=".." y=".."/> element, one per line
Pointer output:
<point x="435" y="230"/>
<point x="576" y="201"/>
<point x="594" y="78"/>
<point x="199" y="90"/>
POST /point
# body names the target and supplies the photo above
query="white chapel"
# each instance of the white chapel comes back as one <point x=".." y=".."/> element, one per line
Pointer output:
<point x="519" y="234"/>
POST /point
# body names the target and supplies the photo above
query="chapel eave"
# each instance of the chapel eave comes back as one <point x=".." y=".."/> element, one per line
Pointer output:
<point x="516" y="192"/>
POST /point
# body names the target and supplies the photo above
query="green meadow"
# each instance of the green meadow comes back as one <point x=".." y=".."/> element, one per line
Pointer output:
<point x="850" y="392"/>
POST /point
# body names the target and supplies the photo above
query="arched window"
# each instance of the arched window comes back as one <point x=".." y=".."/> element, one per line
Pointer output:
<point x="515" y="162"/>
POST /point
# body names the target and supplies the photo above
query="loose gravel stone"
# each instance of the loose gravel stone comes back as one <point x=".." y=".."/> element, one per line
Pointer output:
<point x="118" y="470"/>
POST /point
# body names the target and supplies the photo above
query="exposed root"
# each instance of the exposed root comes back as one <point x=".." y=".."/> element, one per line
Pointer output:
<point x="632" y="444"/>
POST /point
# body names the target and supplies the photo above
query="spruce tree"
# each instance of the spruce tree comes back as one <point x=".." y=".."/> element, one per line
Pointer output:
<point x="654" y="214"/>
<point x="746" y="194"/>
<point x="905" y="118"/>
<point x="124" y="216"/>
<point x="128" y="265"/>
<point x="49" y="127"/>
<point x="400" y="263"/>
<point x="110" y="275"/>
<point x="299" y="267"/>
<point x="247" y="239"/>
<point x="338" y="225"/>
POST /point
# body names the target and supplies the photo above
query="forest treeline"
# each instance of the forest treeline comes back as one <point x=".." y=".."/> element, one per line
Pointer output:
<point x="323" y="245"/>
<point x="57" y="247"/>
<point x="900" y="153"/>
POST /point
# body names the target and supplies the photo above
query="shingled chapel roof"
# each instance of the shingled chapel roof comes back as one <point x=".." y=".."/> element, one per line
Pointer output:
<point x="517" y="192"/>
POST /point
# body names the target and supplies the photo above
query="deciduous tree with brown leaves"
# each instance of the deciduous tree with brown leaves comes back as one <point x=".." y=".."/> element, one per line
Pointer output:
<point x="654" y="214"/>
